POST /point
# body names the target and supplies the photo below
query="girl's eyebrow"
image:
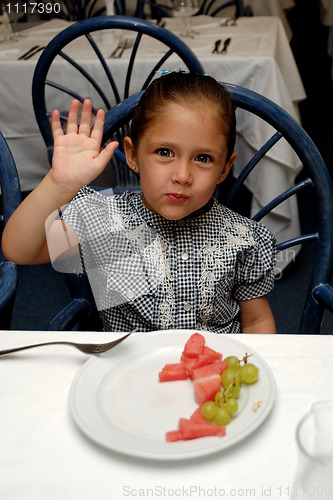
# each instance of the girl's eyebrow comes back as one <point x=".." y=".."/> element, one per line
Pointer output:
<point x="171" y="145"/>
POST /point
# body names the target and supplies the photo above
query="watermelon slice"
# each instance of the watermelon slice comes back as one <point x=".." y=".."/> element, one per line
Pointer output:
<point x="197" y="416"/>
<point x="208" y="354"/>
<point x="205" y="358"/>
<point x="194" y="430"/>
<point x="194" y="346"/>
<point x="214" y="355"/>
<point x="205" y="388"/>
<point x="172" y="436"/>
<point x="191" y="429"/>
<point x="171" y="372"/>
<point x="204" y="366"/>
<point x="215" y="368"/>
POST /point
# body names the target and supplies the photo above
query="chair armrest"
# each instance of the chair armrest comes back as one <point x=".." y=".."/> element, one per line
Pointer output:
<point x="324" y="295"/>
<point x="8" y="282"/>
<point x="71" y="317"/>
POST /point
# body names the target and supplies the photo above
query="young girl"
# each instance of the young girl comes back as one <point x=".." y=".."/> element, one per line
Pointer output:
<point x="171" y="256"/>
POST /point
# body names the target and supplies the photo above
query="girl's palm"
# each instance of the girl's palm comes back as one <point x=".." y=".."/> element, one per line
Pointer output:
<point x="77" y="158"/>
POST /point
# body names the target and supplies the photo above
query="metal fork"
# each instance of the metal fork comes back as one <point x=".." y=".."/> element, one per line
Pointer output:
<point x="118" y="52"/>
<point x="86" y="348"/>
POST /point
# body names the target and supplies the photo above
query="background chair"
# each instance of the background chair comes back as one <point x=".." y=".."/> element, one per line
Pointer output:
<point x="214" y="7"/>
<point x="101" y="88"/>
<point x="319" y="292"/>
<point x="10" y="198"/>
<point x="78" y="10"/>
<point x="207" y="7"/>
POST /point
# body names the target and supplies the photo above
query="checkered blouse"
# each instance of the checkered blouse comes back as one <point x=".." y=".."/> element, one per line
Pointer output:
<point x="154" y="274"/>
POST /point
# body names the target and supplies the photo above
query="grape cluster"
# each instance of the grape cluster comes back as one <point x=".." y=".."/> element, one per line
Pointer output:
<point x="225" y="403"/>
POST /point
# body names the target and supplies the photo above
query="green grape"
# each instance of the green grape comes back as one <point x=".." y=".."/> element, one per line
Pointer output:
<point x="233" y="362"/>
<point x="208" y="410"/>
<point x="235" y="391"/>
<point x="222" y="416"/>
<point x="230" y="376"/>
<point x="221" y="403"/>
<point x="231" y="405"/>
<point x="218" y="396"/>
<point x="249" y="373"/>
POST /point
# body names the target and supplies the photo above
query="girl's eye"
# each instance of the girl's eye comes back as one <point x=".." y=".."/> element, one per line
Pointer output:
<point x="164" y="152"/>
<point x="204" y="158"/>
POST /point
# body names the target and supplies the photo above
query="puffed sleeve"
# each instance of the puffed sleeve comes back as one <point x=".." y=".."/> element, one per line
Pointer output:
<point x="255" y="266"/>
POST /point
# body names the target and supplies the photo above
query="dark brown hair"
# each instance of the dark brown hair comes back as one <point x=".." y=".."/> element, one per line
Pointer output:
<point x="179" y="87"/>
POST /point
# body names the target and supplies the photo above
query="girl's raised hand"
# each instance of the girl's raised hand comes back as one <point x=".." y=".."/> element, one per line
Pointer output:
<point x="77" y="157"/>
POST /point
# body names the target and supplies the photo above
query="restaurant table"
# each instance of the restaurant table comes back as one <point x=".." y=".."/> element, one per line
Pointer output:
<point x="43" y="454"/>
<point x="259" y="58"/>
<point x="273" y="8"/>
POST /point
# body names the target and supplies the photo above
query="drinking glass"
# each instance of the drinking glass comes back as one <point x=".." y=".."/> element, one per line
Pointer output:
<point x="5" y="30"/>
<point x="314" y="436"/>
<point x="185" y="9"/>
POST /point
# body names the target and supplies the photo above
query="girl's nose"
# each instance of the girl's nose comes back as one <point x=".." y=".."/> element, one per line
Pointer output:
<point x="182" y="173"/>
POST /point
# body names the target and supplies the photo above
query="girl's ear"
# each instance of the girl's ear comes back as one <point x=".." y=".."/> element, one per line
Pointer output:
<point x="227" y="168"/>
<point x="130" y="153"/>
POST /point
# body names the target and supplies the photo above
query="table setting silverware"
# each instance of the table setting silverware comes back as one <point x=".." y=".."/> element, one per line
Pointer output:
<point x="231" y="21"/>
<point x="123" y="44"/>
<point x="86" y="348"/>
<point x="225" y="45"/>
<point x="23" y="56"/>
<point x="224" y="49"/>
<point x="39" y="49"/>
<point x="216" y="47"/>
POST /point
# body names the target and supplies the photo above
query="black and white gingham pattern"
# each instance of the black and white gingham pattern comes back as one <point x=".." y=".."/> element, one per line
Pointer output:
<point x="152" y="273"/>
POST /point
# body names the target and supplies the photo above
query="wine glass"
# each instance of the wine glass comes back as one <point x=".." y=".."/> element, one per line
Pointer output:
<point x="6" y="29"/>
<point x="185" y="9"/>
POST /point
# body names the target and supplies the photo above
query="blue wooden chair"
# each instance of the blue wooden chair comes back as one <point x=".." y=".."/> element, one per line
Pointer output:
<point x="11" y="198"/>
<point x="77" y="11"/>
<point x="159" y="9"/>
<point x="107" y="92"/>
<point x="320" y="293"/>
<point x="207" y="7"/>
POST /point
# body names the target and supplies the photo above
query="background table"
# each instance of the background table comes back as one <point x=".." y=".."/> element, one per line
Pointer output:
<point x="44" y="455"/>
<point x="259" y="57"/>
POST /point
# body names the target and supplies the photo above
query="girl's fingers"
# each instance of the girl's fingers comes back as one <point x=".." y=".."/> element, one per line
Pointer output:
<point x="85" y="123"/>
<point x="107" y="152"/>
<point x="72" y="118"/>
<point x="56" y="125"/>
<point x="97" y="131"/>
<point x="84" y="127"/>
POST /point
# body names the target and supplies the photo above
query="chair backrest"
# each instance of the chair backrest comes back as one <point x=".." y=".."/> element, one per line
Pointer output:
<point x="101" y="87"/>
<point x="207" y="7"/>
<point x="213" y="7"/>
<point x="11" y="198"/>
<point x="319" y="292"/>
<point x="79" y="10"/>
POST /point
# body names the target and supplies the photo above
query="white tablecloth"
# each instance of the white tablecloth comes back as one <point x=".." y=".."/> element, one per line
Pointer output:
<point x="273" y="8"/>
<point x="259" y="57"/>
<point x="43" y="455"/>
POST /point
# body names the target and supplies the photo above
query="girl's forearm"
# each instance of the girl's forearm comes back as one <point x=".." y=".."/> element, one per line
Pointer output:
<point x="24" y="237"/>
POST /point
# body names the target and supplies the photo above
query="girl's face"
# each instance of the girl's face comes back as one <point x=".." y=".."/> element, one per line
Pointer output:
<point x="181" y="156"/>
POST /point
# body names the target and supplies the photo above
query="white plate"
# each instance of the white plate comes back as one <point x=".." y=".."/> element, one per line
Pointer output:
<point x="117" y="400"/>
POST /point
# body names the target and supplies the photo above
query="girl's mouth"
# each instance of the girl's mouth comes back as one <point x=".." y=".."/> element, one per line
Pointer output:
<point x="177" y="197"/>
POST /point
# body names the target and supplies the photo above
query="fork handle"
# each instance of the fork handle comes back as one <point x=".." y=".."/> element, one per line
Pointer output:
<point x="31" y="346"/>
